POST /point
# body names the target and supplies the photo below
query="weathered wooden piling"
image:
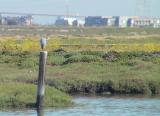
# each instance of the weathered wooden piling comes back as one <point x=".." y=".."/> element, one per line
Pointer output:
<point x="40" y="111"/>
<point x="41" y="79"/>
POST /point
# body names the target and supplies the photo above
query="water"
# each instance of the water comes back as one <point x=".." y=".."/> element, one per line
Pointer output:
<point x="100" y="106"/>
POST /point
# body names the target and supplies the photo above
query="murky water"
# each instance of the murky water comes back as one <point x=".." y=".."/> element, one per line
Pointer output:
<point x="100" y="106"/>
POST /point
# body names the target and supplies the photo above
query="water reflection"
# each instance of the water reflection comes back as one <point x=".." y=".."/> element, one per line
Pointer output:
<point x="101" y="106"/>
<point x="40" y="111"/>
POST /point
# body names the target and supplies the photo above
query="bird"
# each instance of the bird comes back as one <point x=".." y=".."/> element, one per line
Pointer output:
<point x="43" y="42"/>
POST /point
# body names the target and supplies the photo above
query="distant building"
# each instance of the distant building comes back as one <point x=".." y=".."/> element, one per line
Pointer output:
<point x="61" y="22"/>
<point x="139" y="22"/>
<point x="121" y="21"/>
<point x="67" y="21"/>
<point x="29" y="20"/>
<point x="156" y="23"/>
<point x="78" y="23"/>
<point x="0" y="19"/>
<point x="144" y="22"/>
<point x="22" y="20"/>
<point x="111" y="21"/>
<point x="95" y="21"/>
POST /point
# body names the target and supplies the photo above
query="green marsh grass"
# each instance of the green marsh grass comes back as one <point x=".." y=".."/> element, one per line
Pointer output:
<point x="93" y="72"/>
<point x="21" y="95"/>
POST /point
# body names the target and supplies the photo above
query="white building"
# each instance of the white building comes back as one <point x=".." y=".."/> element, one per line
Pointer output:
<point x="66" y="21"/>
<point x="110" y="21"/>
<point x="156" y="23"/>
<point x="144" y="22"/>
<point x="121" y="21"/>
<point x="78" y="23"/>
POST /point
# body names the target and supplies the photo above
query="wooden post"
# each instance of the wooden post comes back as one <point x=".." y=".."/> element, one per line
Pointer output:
<point x="40" y="111"/>
<point x="41" y="79"/>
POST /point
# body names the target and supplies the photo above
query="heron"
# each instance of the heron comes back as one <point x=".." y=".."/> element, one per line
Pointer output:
<point x="43" y="42"/>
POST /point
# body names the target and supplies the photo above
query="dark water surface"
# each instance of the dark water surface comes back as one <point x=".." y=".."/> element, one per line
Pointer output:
<point x="102" y="106"/>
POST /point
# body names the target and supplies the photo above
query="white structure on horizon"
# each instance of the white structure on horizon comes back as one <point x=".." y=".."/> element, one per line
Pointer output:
<point x="66" y="21"/>
<point x="78" y="23"/>
<point x="110" y="21"/>
<point x="156" y="23"/>
<point x="144" y="22"/>
<point x="121" y="21"/>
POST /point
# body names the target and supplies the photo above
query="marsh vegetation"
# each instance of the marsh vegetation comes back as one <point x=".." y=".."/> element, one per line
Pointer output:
<point x="93" y="64"/>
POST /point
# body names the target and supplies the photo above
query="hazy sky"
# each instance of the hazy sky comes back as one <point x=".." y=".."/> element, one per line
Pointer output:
<point x="83" y="7"/>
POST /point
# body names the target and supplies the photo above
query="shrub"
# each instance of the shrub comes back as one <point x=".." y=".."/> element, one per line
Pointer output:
<point x="71" y="54"/>
<point x="112" y="56"/>
<point x="60" y="51"/>
<point x="133" y="54"/>
<point x="153" y="59"/>
<point x="154" y="87"/>
<point x="73" y="59"/>
<point x="83" y="58"/>
<point x="132" y="86"/>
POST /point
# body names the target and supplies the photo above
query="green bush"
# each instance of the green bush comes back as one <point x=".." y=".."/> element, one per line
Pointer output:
<point x="5" y="52"/>
<point x="68" y="55"/>
<point x="60" y="51"/>
<point x="134" y="54"/>
<point x="109" y="86"/>
<point x="124" y="57"/>
<point x="153" y="59"/>
<point x="111" y="56"/>
<point x="83" y="58"/>
<point x="132" y="86"/>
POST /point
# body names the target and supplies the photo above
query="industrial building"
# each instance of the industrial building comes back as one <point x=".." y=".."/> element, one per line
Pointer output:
<point x="144" y="22"/>
<point x="95" y="21"/>
<point x="121" y="21"/>
<point x="61" y="22"/>
<point x="22" y="20"/>
<point x="0" y="19"/>
<point x="140" y="22"/>
<point x="111" y="21"/>
<point x="91" y="21"/>
<point x="156" y="23"/>
<point x="78" y="23"/>
<point x="69" y="21"/>
<point x="65" y="21"/>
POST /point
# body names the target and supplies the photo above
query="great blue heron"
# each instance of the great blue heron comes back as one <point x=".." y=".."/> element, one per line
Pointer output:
<point x="43" y="43"/>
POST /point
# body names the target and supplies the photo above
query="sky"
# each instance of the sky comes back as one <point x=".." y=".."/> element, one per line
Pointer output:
<point x="82" y="7"/>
